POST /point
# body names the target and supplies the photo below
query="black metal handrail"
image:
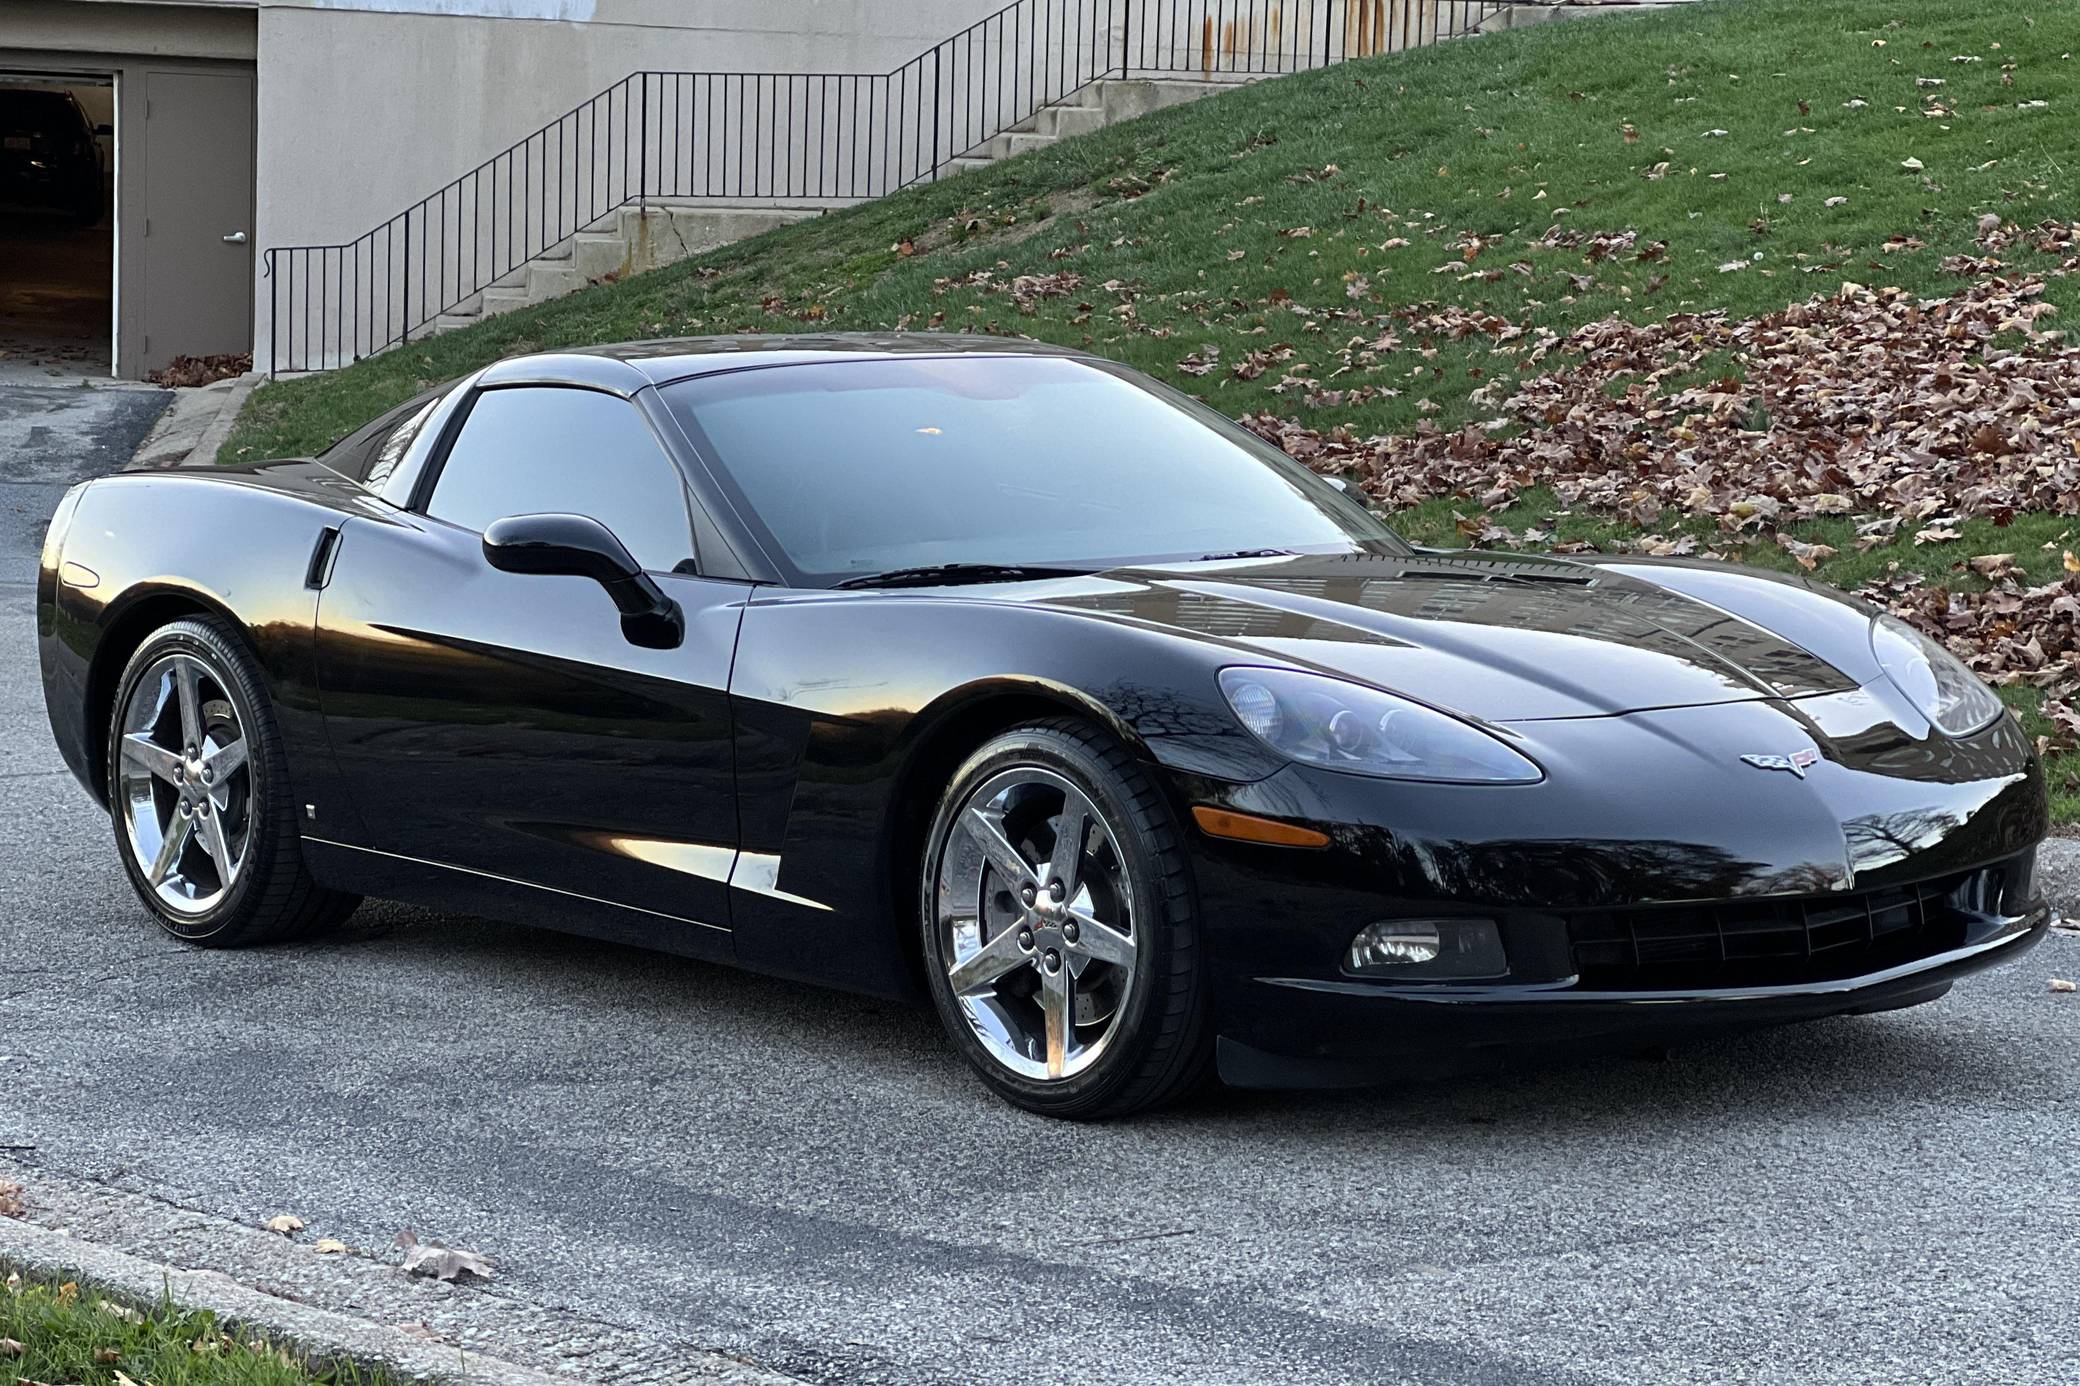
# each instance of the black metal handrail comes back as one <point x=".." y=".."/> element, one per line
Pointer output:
<point x="811" y="138"/>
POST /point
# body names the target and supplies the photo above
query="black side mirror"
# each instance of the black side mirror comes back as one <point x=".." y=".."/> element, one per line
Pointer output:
<point x="579" y="546"/>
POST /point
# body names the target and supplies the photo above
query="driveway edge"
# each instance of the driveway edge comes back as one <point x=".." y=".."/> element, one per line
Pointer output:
<point x="319" y="1333"/>
<point x="194" y="426"/>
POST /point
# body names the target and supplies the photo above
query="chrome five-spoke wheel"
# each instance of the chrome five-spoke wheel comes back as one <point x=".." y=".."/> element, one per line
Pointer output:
<point x="183" y="783"/>
<point x="1059" y="924"/>
<point x="1035" y="903"/>
<point x="195" y="784"/>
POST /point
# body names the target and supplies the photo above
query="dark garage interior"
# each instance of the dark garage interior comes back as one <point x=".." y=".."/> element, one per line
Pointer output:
<point x="57" y="224"/>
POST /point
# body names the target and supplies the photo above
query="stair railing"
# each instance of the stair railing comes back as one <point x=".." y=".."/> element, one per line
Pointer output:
<point x="808" y="138"/>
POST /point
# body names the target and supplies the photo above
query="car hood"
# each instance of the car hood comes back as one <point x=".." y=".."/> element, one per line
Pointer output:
<point x="1505" y="638"/>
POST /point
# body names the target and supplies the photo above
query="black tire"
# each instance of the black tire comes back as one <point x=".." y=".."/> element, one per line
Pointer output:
<point x="1162" y="1046"/>
<point x="273" y="897"/>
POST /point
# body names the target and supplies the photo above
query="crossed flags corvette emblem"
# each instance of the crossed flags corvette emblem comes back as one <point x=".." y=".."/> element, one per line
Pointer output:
<point x="1797" y="762"/>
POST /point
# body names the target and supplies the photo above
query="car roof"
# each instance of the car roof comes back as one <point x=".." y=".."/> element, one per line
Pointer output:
<point x="626" y="367"/>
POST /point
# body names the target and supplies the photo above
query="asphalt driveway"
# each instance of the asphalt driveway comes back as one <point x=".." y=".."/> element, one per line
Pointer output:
<point x="52" y="435"/>
<point x="663" y="1157"/>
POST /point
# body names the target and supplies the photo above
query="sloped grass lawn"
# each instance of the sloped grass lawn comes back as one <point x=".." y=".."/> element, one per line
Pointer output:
<point x="64" y="1333"/>
<point x="1380" y="258"/>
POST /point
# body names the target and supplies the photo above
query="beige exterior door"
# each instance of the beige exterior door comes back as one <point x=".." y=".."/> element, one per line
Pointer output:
<point x="198" y="214"/>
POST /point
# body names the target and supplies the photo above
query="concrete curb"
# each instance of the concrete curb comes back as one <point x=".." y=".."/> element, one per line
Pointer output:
<point x="2058" y="876"/>
<point x="194" y="426"/>
<point x="205" y="454"/>
<point x="319" y="1333"/>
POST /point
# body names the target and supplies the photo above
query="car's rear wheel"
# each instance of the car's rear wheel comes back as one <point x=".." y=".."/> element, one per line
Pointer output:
<point x="198" y="794"/>
<point x="1060" y="936"/>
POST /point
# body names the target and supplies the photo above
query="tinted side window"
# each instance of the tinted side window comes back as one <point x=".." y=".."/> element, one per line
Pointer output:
<point x="534" y="451"/>
<point x="371" y="453"/>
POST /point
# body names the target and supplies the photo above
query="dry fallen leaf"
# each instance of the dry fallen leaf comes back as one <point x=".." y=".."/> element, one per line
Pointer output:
<point x="284" y="1223"/>
<point x="119" y="1311"/>
<point x="419" y="1329"/>
<point x="2061" y="984"/>
<point x="438" y="1261"/>
<point x="328" y="1246"/>
<point x="10" y="1200"/>
<point x="11" y="1347"/>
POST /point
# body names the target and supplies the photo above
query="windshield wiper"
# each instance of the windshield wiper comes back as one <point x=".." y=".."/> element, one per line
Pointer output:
<point x="947" y="574"/>
<point x="1245" y="553"/>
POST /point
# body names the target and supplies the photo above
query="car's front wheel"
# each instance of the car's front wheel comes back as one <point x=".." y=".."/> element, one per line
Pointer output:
<point x="1060" y="935"/>
<point x="198" y="790"/>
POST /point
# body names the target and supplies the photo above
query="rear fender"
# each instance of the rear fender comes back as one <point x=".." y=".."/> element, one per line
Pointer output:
<point x="137" y="550"/>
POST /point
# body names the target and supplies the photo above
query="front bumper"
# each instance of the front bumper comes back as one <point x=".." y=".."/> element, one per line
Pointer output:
<point x="1289" y="1032"/>
<point x="1653" y="886"/>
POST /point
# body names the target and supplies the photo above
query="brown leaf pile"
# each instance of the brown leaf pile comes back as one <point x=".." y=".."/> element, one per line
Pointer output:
<point x="186" y="372"/>
<point x="2010" y="633"/>
<point x="1870" y="402"/>
<point x="1025" y="289"/>
<point x="1914" y="412"/>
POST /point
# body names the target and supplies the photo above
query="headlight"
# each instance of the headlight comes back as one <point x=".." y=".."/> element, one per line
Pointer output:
<point x="1346" y="726"/>
<point x="1947" y="693"/>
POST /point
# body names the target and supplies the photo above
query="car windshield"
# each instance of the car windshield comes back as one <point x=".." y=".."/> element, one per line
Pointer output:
<point x="37" y="113"/>
<point x="852" y="468"/>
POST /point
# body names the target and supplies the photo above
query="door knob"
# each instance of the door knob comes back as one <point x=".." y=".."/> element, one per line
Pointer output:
<point x="235" y="238"/>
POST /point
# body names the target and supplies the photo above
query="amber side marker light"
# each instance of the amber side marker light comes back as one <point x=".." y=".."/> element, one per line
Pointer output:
<point x="1245" y="827"/>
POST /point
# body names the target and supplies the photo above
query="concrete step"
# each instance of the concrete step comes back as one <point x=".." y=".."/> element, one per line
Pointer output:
<point x="662" y="235"/>
<point x="1060" y="122"/>
<point x="552" y="279"/>
<point x="504" y="301"/>
<point x="1123" y="99"/>
<point x="596" y="255"/>
<point x="1009" y="144"/>
<point x="966" y="163"/>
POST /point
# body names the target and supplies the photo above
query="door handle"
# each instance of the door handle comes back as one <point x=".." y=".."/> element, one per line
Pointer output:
<point x="235" y="238"/>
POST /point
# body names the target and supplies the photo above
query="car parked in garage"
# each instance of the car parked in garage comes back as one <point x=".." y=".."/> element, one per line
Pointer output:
<point x="50" y="159"/>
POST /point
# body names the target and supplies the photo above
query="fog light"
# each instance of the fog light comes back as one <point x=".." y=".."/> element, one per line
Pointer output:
<point x="1428" y="949"/>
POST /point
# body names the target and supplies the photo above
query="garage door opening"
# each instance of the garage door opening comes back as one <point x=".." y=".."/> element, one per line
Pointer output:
<point x="57" y="225"/>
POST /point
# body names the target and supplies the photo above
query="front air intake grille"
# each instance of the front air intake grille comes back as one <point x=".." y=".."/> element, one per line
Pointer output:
<point x="1779" y="940"/>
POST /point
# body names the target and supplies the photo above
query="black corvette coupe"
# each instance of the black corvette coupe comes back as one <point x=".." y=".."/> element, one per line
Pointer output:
<point x="961" y="667"/>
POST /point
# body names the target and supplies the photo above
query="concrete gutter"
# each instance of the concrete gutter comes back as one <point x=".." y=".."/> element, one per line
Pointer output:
<point x="194" y="427"/>
<point x="320" y="1333"/>
<point x="272" y="1286"/>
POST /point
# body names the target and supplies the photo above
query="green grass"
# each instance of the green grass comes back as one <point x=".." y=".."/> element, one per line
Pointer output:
<point x="73" y="1335"/>
<point x="1430" y="176"/>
